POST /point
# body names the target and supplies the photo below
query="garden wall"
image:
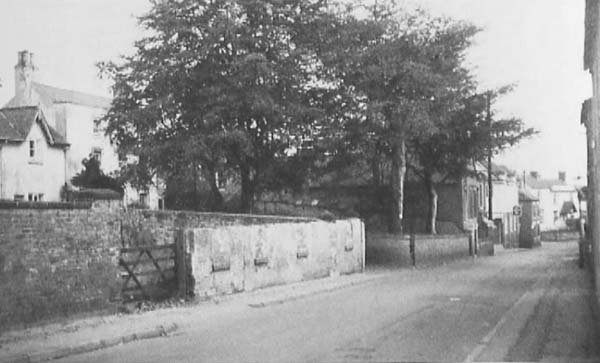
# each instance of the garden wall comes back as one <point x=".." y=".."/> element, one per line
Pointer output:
<point x="393" y="251"/>
<point x="160" y="227"/>
<point x="57" y="259"/>
<point x="231" y="259"/>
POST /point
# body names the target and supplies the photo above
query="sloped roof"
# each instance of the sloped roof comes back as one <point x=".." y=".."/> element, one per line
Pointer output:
<point x="568" y="207"/>
<point x="58" y="95"/>
<point x="525" y="195"/>
<point x="539" y="183"/>
<point x="15" y="124"/>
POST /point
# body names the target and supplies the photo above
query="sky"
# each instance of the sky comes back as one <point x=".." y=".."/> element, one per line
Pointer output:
<point x="535" y="44"/>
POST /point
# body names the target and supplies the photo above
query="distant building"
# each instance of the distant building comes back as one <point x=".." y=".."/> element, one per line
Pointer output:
<point x="70" y="116"/>
<point x="505" y="198"/>
<point x="460" y="203"/>
<point x="530" y="220"/>
<point x="558" y="199"/>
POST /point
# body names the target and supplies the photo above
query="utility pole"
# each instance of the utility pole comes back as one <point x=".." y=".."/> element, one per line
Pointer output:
<point x="489" y="159"/>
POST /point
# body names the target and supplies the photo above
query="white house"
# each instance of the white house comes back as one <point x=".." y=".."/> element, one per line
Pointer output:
<point x="557" y="199"/>
<point x="32" y="156"/>
<point x="505" y="198"/>
<point x="70" y="115"/>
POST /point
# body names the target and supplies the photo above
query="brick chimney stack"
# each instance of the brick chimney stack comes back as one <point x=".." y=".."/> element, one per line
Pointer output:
<point x="562" y="176"/>
<point x="24" y="71"/>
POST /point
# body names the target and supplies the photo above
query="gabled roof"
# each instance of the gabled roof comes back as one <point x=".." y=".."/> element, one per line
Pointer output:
<point x="539" y="183"/>
<point x="16" y="123"/>
<point x="567" y="208"/>
<point x="525" y="195"/>
<point x="51" y="94"/>
<point x="498" y="170"/>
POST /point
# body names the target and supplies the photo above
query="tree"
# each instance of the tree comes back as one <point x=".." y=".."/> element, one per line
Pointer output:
<point x="466" y="137"/>
<point x="403" y="67"/>
<point x="93" y="177"/>
<point x="216" y="84"/>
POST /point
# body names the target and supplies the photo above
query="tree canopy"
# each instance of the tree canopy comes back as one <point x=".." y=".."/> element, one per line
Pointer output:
<point x="244" y="86"/>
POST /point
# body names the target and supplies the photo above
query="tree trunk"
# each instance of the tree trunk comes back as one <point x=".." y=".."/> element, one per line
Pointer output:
<point x="216" y="198"/>
<point x="247" y="193"/>
<point x="398" y="172"/>
<point x="376" y="170"/>
<point x="432" y="209"/>
<point x="196" y="192"/>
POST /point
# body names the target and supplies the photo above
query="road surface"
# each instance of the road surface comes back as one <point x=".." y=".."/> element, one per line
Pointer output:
<point x="520" y="305"/>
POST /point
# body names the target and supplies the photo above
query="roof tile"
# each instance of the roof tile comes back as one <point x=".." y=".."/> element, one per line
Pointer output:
<point x="16" y="123"/>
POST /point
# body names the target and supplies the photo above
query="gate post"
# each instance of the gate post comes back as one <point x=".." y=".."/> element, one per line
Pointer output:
<point x="411" y="249"/>
<point x="471" y="243"/>
<point x="181" y="266"/>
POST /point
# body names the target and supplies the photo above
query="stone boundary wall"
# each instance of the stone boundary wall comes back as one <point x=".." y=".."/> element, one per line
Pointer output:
<point x="160" y="227"/>
<point x="56" y="262"/>
<point x="61" y="259"/>
<point x="392" y="251"/>
<point x="231" y="259"/>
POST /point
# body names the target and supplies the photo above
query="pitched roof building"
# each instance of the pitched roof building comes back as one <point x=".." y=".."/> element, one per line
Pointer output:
<point x="555" y="195"/>
<point x="16" y="123"/>
<point x="68" y="120"/>
<point x="71" y="116"/>
<point x="32" y="156"/>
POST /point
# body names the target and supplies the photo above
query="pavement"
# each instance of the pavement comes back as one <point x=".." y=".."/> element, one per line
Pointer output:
<point x="55" y="341"/>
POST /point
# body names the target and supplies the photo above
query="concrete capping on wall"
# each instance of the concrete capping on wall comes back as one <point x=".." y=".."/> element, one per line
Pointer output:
<point x="228" y="217"/>
<point x="271" y="254"/>
<point x="11" y="204"/>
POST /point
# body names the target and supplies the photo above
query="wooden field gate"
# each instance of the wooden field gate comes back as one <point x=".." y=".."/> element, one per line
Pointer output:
<point x="149" y="272"/>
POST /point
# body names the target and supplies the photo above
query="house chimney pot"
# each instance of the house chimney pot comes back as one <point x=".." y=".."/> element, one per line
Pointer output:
<point x="25" y="59"/>
<point x="24" y="71"/>
<point x="562" y="176"/>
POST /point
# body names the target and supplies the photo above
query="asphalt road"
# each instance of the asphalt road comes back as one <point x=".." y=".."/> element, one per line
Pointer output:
<point x="520" y="305"/>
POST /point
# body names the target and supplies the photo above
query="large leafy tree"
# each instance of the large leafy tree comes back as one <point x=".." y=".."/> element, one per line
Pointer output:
<point x="216" y="84"/>
<point x="468" y="134"/>
<point x="405" y="69"/>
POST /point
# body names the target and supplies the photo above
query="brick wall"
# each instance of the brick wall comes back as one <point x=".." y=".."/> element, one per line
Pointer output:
<point x="55" y="262"/>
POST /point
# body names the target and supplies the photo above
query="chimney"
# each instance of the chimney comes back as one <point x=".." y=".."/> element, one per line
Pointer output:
<point x="562" y="176"/>
<point x="534" y="174"/>
<point x="23" y="78"/>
